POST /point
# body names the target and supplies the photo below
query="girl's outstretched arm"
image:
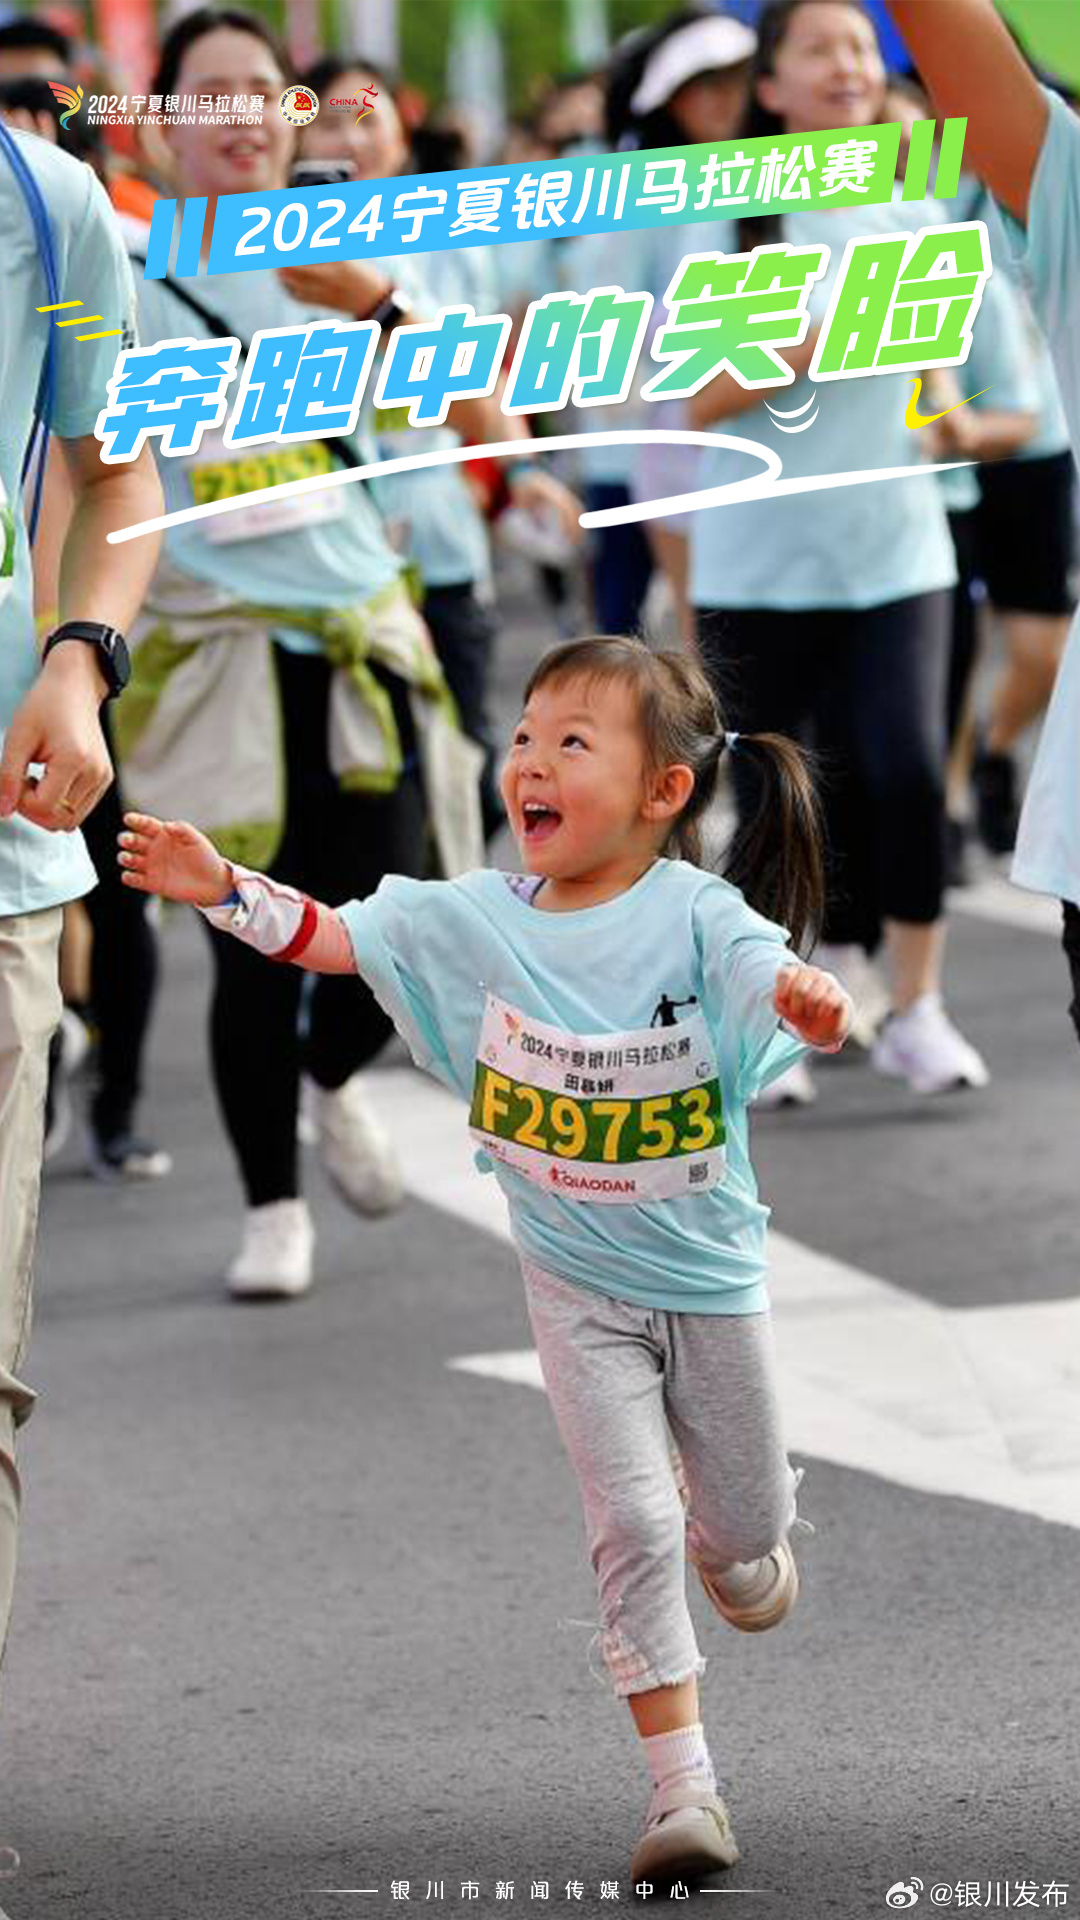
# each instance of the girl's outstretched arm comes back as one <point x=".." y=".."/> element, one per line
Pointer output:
<point x="967" y="57"/>
<point x="176" y="860"/>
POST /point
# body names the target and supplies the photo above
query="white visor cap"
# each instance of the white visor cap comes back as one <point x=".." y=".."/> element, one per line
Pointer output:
<point x="702" y="47"/>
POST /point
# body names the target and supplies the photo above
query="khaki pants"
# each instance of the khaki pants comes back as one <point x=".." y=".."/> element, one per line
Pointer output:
<point x="29" y="1011"/>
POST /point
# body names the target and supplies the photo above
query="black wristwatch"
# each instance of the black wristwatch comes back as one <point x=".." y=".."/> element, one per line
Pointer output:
<point x="394" y="306"/>
<point x="111" y="647"/>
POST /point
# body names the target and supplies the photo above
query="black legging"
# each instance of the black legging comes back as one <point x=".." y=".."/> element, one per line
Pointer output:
<point x="337" y="847"/>
<point x="1070" y="940"/>
<point x="866" y="689"/>
<point x="964" y="638"/>
<point x="123" y="970"/>
<point x="463" y="631"/>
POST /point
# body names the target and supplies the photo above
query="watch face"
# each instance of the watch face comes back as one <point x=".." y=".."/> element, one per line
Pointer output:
<point x="119" y="659"/>
<point x="109" y="644"/>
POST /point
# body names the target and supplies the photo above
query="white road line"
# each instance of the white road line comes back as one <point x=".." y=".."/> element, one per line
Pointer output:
<point x="982" y="1404"/>
<point x="996" y="899"/>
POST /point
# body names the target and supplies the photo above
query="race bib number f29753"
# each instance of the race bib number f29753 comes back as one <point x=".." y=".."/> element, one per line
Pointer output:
<point x="609" y="1117"/>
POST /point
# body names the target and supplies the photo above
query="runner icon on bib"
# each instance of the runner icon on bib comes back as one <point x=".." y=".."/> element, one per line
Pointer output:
<point x="609" y="1117"/>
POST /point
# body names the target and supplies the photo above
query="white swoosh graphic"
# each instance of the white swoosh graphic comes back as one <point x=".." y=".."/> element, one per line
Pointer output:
<point x="794" y="413"/>
<point x="780" y="428"/>
<point x="753" y="488"/>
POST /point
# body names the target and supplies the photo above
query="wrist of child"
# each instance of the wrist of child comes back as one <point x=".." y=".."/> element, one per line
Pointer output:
<point x="278" y="921"/>
<point x="225" y="889"/>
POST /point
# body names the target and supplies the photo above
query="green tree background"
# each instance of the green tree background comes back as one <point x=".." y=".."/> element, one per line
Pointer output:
<point x="1051" y="32"/>
<point x="533" y="35"/>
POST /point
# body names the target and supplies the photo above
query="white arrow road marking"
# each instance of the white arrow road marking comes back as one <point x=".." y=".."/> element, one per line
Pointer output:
<point x="983" y="1404"/>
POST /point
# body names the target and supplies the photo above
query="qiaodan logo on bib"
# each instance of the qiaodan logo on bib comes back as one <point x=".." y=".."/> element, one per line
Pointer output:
<point x="299" y="105"/>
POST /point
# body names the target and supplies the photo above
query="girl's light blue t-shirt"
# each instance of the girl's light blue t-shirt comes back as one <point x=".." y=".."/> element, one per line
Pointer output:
<point x="1048" y="848"/>
<point x="433" y="950"/>
<point x="849" y="547"/>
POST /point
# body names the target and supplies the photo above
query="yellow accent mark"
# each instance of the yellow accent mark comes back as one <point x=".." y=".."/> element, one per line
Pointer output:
<point x="914" y="419"/>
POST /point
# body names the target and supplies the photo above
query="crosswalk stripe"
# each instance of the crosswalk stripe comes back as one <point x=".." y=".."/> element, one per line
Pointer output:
<point x="981" y="1404"/>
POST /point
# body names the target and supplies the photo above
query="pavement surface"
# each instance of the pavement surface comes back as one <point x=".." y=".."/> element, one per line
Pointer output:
<point x="304" y="1612"/>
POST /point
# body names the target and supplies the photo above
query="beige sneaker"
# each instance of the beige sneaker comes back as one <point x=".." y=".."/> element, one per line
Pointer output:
<point x="687" y="1837"/>
<point x="757" y="1595"/>
<point x="753" y="1595"/>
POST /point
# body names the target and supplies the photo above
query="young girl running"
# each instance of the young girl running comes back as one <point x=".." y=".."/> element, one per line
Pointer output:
<point x="609" y="1014"/>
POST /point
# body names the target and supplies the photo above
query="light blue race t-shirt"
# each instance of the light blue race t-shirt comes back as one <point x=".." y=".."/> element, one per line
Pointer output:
<point x="433" y="514"/>
<point x="1000" y="373"/>
<point x="1051" y="436"/>
<point x="679" y="961"/>
<point x="1048" y="847"/>
<point x="39" y="869"/>
<point x="322" y="549"/>
<point x="594" y="260"/>
<point x="851" y="547"/>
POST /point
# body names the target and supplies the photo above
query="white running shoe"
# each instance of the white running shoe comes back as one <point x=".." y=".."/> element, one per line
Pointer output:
<point x="923" y="1047"/>
<point x="687" y="1837"/>
<point x="792" y="1088"/>
<point x="356" y="1150"/>
<point x="857" y="973"/>
<point x="125" y="1156"/>
<point x="274" y="1262"/>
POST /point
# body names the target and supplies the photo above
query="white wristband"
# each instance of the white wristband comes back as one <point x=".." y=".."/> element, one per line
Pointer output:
<point x="278" y="921"/>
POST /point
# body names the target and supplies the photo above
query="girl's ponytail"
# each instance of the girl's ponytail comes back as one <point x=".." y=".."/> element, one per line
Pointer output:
<point x="776" y="859"/>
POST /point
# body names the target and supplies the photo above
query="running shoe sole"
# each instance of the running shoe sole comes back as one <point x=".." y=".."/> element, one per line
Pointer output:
<point x="966" y="1080"/>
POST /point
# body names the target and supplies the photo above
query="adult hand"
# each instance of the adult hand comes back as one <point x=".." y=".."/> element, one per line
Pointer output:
<point x="57" y="725"/>
<point x="347" y="285"/>
<point x="541" y="494"/>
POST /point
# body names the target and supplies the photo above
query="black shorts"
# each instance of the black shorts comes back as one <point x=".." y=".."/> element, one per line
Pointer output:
<point x="1026" y="533"/>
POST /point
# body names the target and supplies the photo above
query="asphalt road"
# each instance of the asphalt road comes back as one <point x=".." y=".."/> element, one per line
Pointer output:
<point x="303" y="1606"/>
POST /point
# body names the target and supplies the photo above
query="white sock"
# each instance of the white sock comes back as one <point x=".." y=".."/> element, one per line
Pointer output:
<point x="679" y="1757"/>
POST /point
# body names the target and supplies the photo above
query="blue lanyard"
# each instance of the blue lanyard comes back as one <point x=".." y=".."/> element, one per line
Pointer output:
<point x="37" y="446"/>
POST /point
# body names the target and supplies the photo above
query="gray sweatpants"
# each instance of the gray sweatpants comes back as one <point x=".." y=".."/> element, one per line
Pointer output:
<point x="621" y="1379"/>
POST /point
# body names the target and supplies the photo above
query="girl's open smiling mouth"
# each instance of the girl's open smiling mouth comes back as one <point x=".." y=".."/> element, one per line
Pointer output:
<point x="540" y="820"/>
